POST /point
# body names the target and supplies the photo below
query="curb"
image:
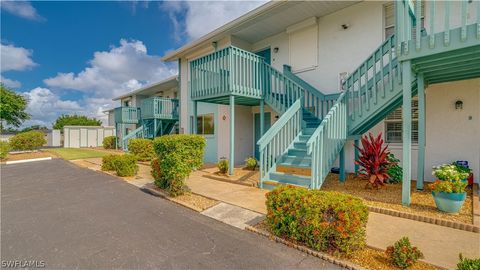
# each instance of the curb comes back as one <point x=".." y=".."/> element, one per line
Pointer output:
<point x="27" y="160"/>
<point x="321" y="255"/>
<point x="432" y="220"/>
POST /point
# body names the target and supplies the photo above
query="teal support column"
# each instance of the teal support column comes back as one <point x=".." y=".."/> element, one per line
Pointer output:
<point x="194" y="128"/>
<point x="342" y="165"/>
<point x="357" y="154"/>
<point x="407" y="131"/>
<point x="232" y="135"/>
<point x="154" y="128"/>
<point x="421" y="132"/>
<point x="262" y="117"/>
<point x="116" y="136"/>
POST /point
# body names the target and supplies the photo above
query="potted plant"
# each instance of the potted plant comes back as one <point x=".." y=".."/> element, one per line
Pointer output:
<point x="449" y="191"/>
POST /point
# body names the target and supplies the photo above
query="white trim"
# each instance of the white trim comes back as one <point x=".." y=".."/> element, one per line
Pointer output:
<point x="27" y="160"/>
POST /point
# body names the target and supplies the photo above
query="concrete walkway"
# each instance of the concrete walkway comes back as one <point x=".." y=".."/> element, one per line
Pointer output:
<point x="440" y="245"/>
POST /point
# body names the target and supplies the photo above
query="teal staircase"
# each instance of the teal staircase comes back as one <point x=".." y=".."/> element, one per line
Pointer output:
<point x="158" y="117"/>
<point x="302" y="146"/>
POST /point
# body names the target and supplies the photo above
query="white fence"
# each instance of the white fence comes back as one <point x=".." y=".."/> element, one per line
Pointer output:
<point x="85" y="136"/>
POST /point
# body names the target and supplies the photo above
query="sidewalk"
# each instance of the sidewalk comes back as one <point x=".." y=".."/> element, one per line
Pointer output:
<point x="440" y="245"/>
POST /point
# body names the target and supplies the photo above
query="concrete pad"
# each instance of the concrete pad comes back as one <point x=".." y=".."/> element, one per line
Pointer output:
<point x="440" y="245"/>
<point x="246" y="197"/>
<point x="232" y="215"/>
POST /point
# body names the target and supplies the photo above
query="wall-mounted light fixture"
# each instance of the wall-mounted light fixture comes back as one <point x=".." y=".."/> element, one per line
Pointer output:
<point x="224" y="117"/>
<point x="275" y="50"/>
<point x="345" y="26"/>
<point x="214" y="45"/>
<point x="458" y="105"/>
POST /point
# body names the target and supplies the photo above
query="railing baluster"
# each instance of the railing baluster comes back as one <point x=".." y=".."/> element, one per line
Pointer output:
<point x="432" y="23"/>
<point x="464" y="20"/>
<point x="418" y="22"/>
<point x="446" y="30"/>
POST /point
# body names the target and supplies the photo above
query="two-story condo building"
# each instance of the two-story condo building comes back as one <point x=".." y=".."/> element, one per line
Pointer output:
<point x="147" y="112"/>
<point x="297" y="83"/>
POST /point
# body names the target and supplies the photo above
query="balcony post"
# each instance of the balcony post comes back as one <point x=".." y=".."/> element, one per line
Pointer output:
<point x="262" y="117"/>
<point x="356" y="155"/>
<point x="407" y="130"/>
<point x="232" y="135"/>
<point x="194" y="128"/>
<point x="342" y="165"/>
<point x="421" y="131"/>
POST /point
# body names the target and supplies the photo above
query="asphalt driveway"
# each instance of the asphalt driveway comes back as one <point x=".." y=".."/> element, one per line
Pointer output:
<point x="74" y="218"/>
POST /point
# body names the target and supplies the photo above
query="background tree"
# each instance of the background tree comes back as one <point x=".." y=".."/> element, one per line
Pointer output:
<point x="13" y="106"/>
<point x="34" y="127"/>
<point x="75" y="120"/>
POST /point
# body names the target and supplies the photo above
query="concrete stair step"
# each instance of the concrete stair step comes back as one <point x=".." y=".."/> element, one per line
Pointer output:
<point x="296" y="161"/>
<point x="294" y="179"/>
<point x="308" y="131"/>
<point x="297" y="152"/>
<point x="269" y="184"/>
<point x="300" y="145"/>
<point x="304" y="138"/>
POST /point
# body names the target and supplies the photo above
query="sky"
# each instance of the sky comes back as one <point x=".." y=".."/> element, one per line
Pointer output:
<point x="71" y="57"/>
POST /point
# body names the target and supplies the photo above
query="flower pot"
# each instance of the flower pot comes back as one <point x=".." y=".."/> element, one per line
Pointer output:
<point x="449" y="202"/>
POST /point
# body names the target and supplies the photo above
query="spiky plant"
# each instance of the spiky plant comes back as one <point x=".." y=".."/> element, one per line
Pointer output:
<point x="373" y="160"/>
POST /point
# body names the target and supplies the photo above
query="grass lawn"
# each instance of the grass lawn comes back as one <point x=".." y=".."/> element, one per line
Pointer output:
<point x="78" y="153"/>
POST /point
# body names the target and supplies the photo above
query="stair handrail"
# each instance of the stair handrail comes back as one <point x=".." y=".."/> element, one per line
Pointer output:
<point x="136" y="133"/>
<point x="327" y="140"/>
<point x="278" y="138"/>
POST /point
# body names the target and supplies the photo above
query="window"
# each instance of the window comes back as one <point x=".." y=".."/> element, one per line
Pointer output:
<point x="389" y="19"/>
<point x="393" y="125"/>
<point x="206" y="124"/>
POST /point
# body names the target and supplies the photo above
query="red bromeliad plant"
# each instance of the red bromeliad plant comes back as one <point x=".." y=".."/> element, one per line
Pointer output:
<point x="373" y="160"/>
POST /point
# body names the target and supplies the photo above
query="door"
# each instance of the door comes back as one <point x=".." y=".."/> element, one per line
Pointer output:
<point x="257" y="131"/>
<point x="266" y="53"/>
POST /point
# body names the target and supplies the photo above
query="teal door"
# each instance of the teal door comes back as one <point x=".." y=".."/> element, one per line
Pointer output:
<point x="257" y="131"/>
<point x="265" y="54"/>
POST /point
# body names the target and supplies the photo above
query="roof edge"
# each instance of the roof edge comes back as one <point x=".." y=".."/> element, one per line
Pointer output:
<point x="136" y="91"/>
<point x="174" y="55"/>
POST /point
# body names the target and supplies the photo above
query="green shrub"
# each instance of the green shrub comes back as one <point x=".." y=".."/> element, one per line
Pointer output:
<point x="251" y="163"/>
<point x="223" y="165"/>
<point x="125" y="165"/>
<point x="394" y="171"/>
<point x="108" y="162"/>
<point x="331" y="222"/>
<point x="178" y="156"/>
<point x="141" y="148"/>
<point x="110" y="142"/>
<point x="4" y="148"/>
<point x="156" y="172"/>
<point x="30" y="140"/>
<point x="468" y="264"/>
<point x="402" y="254"/>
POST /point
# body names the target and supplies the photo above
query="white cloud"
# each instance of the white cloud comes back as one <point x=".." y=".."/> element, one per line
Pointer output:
<point x="15" y="58"/>
<point x="22" y="9"/>
<point x="117" y="71"/>
<point x="10" y="83"/>
<point x="193" y="19"/>
<point x="44" y="106"/>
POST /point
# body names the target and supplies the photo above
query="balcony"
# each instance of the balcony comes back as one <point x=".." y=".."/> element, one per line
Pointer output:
<point x="160" y="108"/>
<point x="127" y="115"/>
<point x="230" y="71"/>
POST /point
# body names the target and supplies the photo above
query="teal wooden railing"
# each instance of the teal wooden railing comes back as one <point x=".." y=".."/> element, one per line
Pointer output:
<point x="372" y="85"/>
<point x="279" y="138"/>
<point x="315" y="101"/>
<point x="136" y="133"/>
<point x="160" y="108"/>
<point x="227" y="71"/>
<point x="127" y="115"/>
<point x="327" y="140"/>
<point x="448" y="25"/>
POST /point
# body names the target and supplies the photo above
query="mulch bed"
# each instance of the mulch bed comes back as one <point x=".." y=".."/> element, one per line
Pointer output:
<point x="390" y="196"/>
<point x="368" y="258"/>
<point x="241" y="176"/>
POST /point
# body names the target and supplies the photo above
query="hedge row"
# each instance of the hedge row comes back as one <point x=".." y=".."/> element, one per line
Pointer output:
<point x="30" y="140"/>
<point x="123" y="165"/>
<point x="331" y="222"/>
<point x="178" y="156"/>
<point x="141" y="148"/>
